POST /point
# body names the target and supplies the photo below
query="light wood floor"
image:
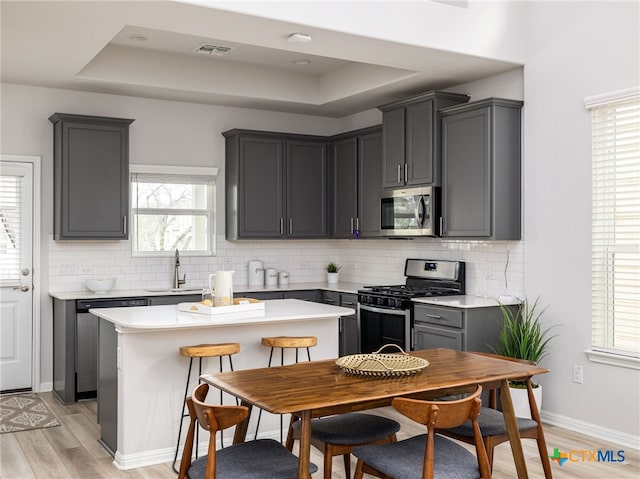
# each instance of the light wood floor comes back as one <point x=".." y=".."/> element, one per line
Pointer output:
<point x="71" y="451"/>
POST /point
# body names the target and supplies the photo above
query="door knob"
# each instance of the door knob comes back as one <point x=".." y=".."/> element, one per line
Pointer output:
<point x="23" y="287"/>
<point x="25" y="271"/>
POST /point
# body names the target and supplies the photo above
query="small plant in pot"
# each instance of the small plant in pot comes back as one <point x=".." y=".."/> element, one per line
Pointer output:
<point x="332" y="272"/>
<point x="523" y="337"/>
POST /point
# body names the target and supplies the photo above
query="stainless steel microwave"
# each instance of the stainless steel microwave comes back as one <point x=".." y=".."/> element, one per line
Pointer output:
<point x="409" y="212"/>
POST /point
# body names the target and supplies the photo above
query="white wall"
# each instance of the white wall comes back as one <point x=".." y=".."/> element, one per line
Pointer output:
<point x="575" y="50"/>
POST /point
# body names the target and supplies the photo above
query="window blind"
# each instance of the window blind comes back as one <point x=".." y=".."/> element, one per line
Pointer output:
<point x="616" y="223"/>
<point x="10" y="220"/>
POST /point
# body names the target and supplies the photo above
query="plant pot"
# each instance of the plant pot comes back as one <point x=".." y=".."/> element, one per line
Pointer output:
<point x="520" y="400"/>
<point x="332" y="277"/>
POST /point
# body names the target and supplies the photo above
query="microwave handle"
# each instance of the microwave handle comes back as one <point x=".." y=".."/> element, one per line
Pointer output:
<point x="419" y="212"/>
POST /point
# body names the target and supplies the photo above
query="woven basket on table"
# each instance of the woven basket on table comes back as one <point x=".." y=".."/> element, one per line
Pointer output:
<point x="377" y="364"/>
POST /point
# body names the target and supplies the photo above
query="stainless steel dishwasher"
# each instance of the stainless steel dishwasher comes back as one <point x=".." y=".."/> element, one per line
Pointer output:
<point x="86" y="343"/>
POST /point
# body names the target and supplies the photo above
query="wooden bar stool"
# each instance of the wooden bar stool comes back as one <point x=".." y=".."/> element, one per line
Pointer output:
<point x="286" y="342"/>
<point x="202" y="351"/>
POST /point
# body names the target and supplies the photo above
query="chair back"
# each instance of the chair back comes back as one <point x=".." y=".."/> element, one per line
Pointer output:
<point x="446" y="414"/>
<point x="211" y="418"/>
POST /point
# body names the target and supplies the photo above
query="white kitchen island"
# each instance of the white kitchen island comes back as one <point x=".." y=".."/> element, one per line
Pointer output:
<point x="141" y="375"/>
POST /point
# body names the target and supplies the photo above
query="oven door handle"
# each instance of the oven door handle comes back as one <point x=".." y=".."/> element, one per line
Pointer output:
<point x="396" y="312"/>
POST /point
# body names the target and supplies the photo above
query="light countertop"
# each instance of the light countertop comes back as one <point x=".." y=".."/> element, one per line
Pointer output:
<point x="341" y="287"/>
<point x="467" y="301"/>
<point x="168" y="317"/>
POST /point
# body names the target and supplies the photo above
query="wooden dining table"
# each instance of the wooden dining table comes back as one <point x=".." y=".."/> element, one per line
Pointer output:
<point x="321" y="388"/>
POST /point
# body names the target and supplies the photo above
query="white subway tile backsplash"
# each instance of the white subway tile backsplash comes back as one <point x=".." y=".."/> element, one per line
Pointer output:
<point x="363" y="261"/>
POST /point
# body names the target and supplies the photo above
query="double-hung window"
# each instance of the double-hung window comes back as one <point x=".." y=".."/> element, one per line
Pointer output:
<point x="616" y="227"/>
<point x="172" y="208"/>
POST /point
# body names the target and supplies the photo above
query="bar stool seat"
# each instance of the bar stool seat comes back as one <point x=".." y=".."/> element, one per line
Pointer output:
<point x="209" y="350"/>
<point x="200" y="351"/>
<point x="282" y="343"/>
<point x="290" y="341"/>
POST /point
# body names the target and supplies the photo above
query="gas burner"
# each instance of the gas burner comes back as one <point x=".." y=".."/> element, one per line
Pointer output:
<point x="424" y="278"/>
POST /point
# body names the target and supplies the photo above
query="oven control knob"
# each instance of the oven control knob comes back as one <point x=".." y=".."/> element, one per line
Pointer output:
<point x="381" y="301"/>
<point x="364" y="299"/>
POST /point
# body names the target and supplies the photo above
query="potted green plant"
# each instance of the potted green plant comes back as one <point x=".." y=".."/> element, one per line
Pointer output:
<point x="332" y="272"/>
<point x="523" y="337"/>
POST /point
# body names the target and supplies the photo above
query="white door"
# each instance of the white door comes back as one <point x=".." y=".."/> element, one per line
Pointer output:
<point x="16" y="274"/>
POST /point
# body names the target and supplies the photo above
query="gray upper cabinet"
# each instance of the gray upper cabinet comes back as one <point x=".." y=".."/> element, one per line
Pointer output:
<point x="91" y="177"/>
<point x="356" y="171"/>
<point x="276" y="185"/>
<point x="411" y="139"/>
<point x="306" y="205"/>
<point x="481" y="170"/>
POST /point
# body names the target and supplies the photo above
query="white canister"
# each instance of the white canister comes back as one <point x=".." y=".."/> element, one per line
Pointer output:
<point x="283" y="278"/>
<point x="256" y="273"/>
<point x="270" y="277"/>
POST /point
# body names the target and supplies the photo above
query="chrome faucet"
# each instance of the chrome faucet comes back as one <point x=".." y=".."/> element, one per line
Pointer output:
<point x="176" y="273"/>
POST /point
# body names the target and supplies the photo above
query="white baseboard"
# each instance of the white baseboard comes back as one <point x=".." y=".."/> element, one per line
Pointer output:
<point x="593" y="430"/>
<point x="45" y="387"/>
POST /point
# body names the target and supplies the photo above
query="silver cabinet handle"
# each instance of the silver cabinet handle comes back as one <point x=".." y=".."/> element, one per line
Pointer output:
<point x="329" y="301"/>
<point x="357" y="224"/>
<point x="433" y="316"/>
<point x="124" y="224"/>
<point x="352" y="225"/>
<point x="290" y="226"/>
<point x="406" y="172"/>
<point x="399" y="173"/>
<point x="281" y="226"/>
<point x="442" y="226"/>
<point x="348" y="303"/>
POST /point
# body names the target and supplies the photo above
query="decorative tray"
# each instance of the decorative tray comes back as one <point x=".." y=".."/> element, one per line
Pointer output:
<point x="250" y="306"/>
<point x="377" y="364"/>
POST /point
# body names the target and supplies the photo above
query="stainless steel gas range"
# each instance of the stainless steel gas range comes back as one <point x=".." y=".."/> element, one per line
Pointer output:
<point x="385" y="313"/>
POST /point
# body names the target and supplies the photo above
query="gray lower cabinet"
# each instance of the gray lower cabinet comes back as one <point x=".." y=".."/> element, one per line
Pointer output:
<point x="349" y="331"/>
<point x="174" y="299"/>
<point x="481" y="197"/>
<point x="276" y="185"/>
<point x="91" y="177"/>
<point x="411" y="139"/>
<point x="356" y="176"/>
<point x="463" y="329"/>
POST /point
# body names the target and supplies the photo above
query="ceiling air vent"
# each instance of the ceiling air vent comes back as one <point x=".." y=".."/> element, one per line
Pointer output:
<point x="208" y="49"/>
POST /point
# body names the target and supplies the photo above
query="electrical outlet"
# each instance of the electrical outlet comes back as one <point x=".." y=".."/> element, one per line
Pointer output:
<point x="577" y="374"/>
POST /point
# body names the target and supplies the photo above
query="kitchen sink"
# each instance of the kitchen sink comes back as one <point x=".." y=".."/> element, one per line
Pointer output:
<point x="173" y="290"/>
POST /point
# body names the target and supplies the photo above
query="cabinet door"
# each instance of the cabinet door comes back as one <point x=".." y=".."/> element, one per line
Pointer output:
<point x="310" y="295"/>
<point x="430" y="337"/>
<point x="393" y="147"/>
<point x="91" y="177"/>
<point x="369" y="183"/>
<point x="345" y="187"/>
<point x="419" y="143"/>
<point x="331" y="297"/>
<point x="260" y="188"/>
<point x="306" y="195"/>
<point x="174" y="299"/>
<point x="349" y="330"/>
<point x="466" y="151"/>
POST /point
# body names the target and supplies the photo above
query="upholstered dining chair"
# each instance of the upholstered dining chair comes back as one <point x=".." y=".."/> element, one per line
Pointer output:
<point x="493" y="428"/>
<point x="338" y="435"/>
<point x="429" y="456"/>
<point x="258" y="459"/>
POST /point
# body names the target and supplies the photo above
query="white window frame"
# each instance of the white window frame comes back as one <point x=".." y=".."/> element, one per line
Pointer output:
<point x="207" y="173"/>
<point x="612" y="143"/>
